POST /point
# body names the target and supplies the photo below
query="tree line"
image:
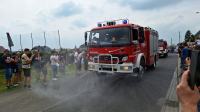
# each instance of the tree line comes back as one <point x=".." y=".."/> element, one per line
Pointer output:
<point x="189" y="37"/>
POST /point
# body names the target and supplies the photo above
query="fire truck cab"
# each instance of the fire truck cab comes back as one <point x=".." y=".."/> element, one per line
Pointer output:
<point x="121" y="47"/>
<point x="163" y="48"/>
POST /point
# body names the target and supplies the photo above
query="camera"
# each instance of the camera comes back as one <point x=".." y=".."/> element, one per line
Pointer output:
<point x="194" y="77"/>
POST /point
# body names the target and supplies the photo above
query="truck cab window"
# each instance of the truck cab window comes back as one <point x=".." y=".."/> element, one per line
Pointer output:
<point x="94" y="38"/>
<point x="141" y="35"/>
<point x="135" y="34"/>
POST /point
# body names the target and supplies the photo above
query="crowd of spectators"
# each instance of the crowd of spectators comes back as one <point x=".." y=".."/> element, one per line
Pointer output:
<point x="185" y="50"/>
<point x="189" y="98"/>
<point x="19" y="66"/>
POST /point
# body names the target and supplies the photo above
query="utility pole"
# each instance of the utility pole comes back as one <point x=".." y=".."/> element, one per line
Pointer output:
<point x="179" y="36"/>
<point x="171" y="41"/>
<point x="59" y="39"/>
<point x="32" y="40"/>
<point x="20" y="38"/>
<point x="45" y="39"/>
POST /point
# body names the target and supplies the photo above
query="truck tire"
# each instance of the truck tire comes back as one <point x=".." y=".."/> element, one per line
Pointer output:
<point x="141" y="70"/>
<point x="165" y="55"/>
<point x="153" y="66"/>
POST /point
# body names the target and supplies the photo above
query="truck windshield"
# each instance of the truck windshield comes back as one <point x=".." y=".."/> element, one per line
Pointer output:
<point x="114" y="36"/>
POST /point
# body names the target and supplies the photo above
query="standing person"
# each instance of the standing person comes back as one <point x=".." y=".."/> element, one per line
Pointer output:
<point x="36" y="62"/>
<point x="197" y="46"/>
<point x="184" y="55"/>
<point x="26" y="66"/>
<point x="44" y="61"/>
<point x="19" y="65"/>
<point x="7" y="61"/>
<point x="76" y="57"/>
<point x="62" y="64"/>
<point x="180" y="48"/>
<point x="85" y="61"/>
<point x="16" y="69"/>
<point x="79" y="61"/>
<point x="54" y="64"/>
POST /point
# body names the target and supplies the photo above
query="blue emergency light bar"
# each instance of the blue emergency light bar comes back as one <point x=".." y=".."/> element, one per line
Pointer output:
<point x="113" y="22"/>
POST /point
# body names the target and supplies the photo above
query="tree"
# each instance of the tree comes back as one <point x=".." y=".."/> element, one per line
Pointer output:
<point x="192" y="38"/>
<point x="188" y="35"/>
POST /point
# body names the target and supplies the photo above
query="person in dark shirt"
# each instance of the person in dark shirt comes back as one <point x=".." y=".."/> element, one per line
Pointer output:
<point x="36" y="62"/>
<point x="7" y="61"/>
<point x="39" y="64"/>
<point x="180" y="48"/>
<point x="184" y="55"/>
<point x="16" y="68"/>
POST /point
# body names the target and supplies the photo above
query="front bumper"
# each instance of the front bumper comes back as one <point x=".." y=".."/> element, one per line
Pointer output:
<point x="111" y="68"/>
<point x="162" y="52"/>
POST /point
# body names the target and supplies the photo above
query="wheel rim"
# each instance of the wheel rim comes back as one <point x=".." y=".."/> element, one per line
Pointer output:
<point x="154" y="65"/>
<point x="141" y="72"/>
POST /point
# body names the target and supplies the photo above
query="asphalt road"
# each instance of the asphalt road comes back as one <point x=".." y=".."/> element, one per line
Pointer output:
<point x="89" y="93"/>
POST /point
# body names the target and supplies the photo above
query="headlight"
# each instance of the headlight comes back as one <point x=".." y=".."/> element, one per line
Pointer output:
<point x="161" y="48"/>
<point x="125" y="58"/>
<point x="126" y="68"/>
<point x="91" y="67"/>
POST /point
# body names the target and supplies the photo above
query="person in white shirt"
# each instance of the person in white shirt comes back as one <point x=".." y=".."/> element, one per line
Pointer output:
<point x="54" y="59"/>
<point x="80" y="61"/>
<point x="26" y="66"/>
<point x="76" y="57"/>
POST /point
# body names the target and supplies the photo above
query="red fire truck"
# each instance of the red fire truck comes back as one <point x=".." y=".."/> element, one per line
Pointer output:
<point x="121" y="47"/>
<point x="163" y="48"/>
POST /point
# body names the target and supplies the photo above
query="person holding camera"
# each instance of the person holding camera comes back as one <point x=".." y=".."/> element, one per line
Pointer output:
<point x="7" y="61"/>
<point x="188" y="98"/>
<point x="26" y="66"/>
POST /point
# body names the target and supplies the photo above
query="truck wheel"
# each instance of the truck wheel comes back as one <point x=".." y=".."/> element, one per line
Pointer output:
<point x="166" y="55"/>
<point x="141" y="70"/>
<point x="154" y="64"/>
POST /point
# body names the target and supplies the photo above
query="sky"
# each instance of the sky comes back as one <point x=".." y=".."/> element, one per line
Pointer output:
<point x="73" y="17"/>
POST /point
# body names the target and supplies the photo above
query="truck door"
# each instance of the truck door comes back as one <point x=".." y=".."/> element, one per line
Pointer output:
<point x="142" y="40"/>
<point x="135" y="42"/>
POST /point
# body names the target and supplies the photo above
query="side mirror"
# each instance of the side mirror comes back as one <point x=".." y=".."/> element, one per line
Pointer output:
<point x="86" y="38"/>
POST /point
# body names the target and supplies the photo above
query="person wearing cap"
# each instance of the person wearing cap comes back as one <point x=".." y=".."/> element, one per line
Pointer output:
<point x="7" y="61"/>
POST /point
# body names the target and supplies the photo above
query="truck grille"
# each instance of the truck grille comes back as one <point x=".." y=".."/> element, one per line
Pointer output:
<point x="107" y="59"/>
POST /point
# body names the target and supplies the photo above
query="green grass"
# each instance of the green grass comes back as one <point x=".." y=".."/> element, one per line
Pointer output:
<point x="2" y="81"/>
<point x="70" y="70"/>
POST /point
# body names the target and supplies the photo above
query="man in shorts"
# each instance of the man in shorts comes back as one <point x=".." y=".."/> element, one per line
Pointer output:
<point x="26" y="66"/>
<point x="7" y="61"/>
